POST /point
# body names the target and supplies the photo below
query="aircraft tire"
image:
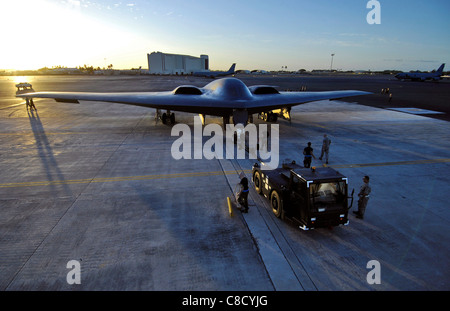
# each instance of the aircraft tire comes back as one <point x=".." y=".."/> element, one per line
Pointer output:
<point x="172" y="118"/>
<point x="273" y="117"/>
<point x="164" y="118"/>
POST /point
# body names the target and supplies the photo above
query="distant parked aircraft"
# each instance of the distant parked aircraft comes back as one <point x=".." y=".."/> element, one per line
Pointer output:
<point x="215" y="74"/>
<point x="421" y="76"/>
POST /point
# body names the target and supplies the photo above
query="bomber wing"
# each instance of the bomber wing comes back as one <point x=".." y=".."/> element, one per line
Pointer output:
<point x="219" y="98"/>
<point x="289" y="99"/>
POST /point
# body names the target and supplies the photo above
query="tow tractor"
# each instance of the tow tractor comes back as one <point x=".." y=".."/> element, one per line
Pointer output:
<point x="23" y="88"/>
<point x="310" y="197"/>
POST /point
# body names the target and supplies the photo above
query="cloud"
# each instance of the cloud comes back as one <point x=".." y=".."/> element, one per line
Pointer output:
<point x="348" y="43"/>
<point x="425" y="61"/>
<point x="347" y="34"/>
<point x="400" y="60"/>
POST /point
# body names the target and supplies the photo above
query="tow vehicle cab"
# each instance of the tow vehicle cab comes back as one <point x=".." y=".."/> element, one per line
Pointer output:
<point x="23" y="88"/>
<point x="311" y="197"/>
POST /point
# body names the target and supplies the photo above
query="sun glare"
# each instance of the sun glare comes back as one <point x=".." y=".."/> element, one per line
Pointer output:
<point x="38" y="33"/>
<point x="22" y="79"/>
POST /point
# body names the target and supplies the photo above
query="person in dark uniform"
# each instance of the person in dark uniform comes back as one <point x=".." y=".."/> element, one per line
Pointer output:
<point x="243" y="195"/>
<point x="308" y="153"/>
<point x="363" y="195"/>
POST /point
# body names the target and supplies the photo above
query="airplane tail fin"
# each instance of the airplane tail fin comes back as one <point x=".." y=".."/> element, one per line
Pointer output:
<point x="231" y="70"/>
<point x="441" y="69"/>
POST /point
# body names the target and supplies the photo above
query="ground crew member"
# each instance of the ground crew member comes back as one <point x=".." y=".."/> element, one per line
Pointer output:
<point x="325" y="147"/>
<point x="243" y="194"/>
<point x="363" y="198"/>
<point x="32" y="106"/>
<point x="308" y="152"/>
<point x="30" y="103"/>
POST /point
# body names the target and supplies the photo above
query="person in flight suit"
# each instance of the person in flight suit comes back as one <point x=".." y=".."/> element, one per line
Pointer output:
<point x="325" y="147"/>
<point x="363" y="195"/>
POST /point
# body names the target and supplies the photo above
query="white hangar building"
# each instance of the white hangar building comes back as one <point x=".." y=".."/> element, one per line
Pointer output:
<point x="175" y="64"/>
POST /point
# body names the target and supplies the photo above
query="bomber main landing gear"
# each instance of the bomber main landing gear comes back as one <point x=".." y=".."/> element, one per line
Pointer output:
<point x="268" y="116"/>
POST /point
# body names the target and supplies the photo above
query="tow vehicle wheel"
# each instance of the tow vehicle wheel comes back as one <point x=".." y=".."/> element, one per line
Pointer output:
<point x="273" y="117"/>
<point x="258" y="182"/>
<point x="276" y="204"/>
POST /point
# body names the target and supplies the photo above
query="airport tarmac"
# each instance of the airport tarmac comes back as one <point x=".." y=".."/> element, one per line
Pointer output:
<point x="96" y="183"/>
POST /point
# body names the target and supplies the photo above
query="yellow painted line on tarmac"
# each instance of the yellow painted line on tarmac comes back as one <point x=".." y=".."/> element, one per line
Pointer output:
<point x="29" y="133"/>
<point x="45" y="133"/>
<point x="115" y="179"/>
<point x="196" y="174"/>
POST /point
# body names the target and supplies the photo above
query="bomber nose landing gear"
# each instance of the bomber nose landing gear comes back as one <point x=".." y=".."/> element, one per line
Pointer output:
<point x="165" y="118"/>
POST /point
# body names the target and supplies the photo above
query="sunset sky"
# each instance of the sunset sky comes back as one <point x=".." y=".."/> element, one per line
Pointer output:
<point x="255" y="34"/>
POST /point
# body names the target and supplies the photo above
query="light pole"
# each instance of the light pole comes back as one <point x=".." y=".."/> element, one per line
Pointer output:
<point x="331" y="67"/>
